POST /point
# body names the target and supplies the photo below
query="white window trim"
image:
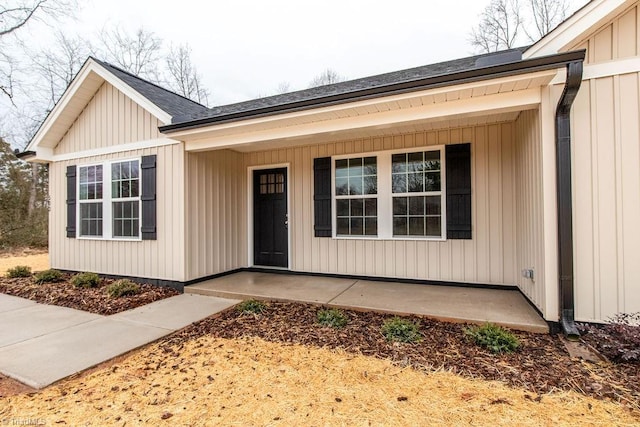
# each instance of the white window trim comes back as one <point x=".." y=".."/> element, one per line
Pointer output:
<point x="385" y="194"/>
<point x="107" y="200"/>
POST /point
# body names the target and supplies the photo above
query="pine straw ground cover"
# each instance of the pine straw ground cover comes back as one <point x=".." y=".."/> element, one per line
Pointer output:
<point x="94" y="300"/>
<point x="250" y="381"/>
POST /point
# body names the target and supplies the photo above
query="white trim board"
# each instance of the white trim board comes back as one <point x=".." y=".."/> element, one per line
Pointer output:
<point x="604" y="69"/>
<point x="47" y="154"/>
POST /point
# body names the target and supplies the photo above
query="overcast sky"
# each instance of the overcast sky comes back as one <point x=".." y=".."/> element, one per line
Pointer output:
<point x="246" y="48"/>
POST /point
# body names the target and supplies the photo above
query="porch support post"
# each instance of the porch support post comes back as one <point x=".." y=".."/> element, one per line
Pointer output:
<point x="565" y="198"/>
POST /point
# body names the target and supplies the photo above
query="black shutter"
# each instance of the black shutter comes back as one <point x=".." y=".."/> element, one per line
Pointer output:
<point x="458" y="164"/>
<point x="71" y="201"/>
<point x="148" y="197"/>
<point x="322" y="196"/>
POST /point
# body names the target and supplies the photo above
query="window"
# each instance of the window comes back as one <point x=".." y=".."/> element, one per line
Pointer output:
<point x="390" y="195"/>
<point x="356" y="188"/>
<point x="90" y="202"/>
<point x="125" y="194"/>
<point x="417" y="195"/>
<point x="272" y="183"/>
<point x="110" y="211"/>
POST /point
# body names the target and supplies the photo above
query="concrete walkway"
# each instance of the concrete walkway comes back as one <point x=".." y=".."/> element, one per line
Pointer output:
<point x="452" y="303"/>
<point x="41" y="344"/>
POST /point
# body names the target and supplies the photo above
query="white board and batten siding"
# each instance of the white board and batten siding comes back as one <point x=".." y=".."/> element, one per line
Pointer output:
<point x="488" y="258"/>
<point x="529" y="209"/>
<point x="606" y="175"/>
<point x="109" y="119"/>
<point x="216" y="213"/>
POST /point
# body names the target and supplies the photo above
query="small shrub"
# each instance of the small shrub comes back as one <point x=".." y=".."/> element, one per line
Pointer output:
<point x="19" y="271"/>
<point x="48" y="276"/>
<point x="399" y="329"/>
<point x="618" y="340"/>
<point x="123" y="287"/>
<point x="252" y="306"/>
<point x="332" y="317"/>
<point x="85" y="280"/>
<point x="493" y="337"/>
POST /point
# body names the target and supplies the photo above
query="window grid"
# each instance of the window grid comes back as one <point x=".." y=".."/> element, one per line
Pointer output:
<point x="90" y="200"/>
<point x="356" y="188"/>
<point x="125" y="196"/>
<point x="109" y="200"/>
<point x="417" y="194"/>
<point x="272" y="183"/>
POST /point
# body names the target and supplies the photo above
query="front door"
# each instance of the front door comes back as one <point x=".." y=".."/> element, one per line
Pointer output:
<point x="270" y="221"/>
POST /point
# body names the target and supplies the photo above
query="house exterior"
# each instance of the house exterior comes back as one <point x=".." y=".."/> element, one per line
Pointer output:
<point x="517" y="169"/>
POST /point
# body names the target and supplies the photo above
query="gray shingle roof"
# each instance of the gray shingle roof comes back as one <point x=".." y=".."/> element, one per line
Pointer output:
<point x="378" y="81"/>
<point x="172" y="103"/>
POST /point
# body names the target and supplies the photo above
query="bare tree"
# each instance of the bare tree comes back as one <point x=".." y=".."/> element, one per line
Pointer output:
<point x="283" y="87"/>
<point x="183" y="78"/>
<point x="58" y="65"/>
<point x="327" y="77"/>
<point x="15" y="14"/>
<point x="139" y="53"/>
<point x="545" y="16"/>
<point x="499" y="26"/>
<point x="503" y="22"/>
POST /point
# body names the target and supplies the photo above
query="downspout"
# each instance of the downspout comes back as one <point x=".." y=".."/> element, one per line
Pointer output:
<point x="565" y="199"/>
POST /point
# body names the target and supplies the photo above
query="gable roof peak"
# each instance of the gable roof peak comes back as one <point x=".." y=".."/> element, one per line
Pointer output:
<point x="168" y="101"/>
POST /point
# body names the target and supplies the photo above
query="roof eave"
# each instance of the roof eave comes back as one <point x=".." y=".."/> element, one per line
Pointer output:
<point x="477" y="74"/>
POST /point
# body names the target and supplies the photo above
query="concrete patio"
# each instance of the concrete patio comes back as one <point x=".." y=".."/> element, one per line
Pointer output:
<point x="452" y="303"/>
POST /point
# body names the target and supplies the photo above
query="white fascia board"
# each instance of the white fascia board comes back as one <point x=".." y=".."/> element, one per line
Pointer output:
<point x="281" y="119"/>
<point x="90" y="67"/>
<point x="60" y="106"/>
<point x="584" y="21"/>
<point x="501" y="102"/>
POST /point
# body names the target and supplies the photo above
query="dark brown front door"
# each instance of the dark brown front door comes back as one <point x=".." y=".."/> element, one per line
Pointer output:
<point x="270" y="221"/>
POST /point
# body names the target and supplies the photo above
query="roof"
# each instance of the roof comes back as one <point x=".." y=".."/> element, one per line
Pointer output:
<point x="170" y="102"/>
<point x="444" y="73"/>
<point x="345" y="87"/>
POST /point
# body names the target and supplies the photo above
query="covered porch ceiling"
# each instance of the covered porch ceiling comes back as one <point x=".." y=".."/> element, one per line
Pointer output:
<point x="490" y="101"/>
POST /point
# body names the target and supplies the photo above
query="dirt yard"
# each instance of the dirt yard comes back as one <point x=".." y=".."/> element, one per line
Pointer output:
<point x="38" y="260"/>
<point x="249" y="381"/>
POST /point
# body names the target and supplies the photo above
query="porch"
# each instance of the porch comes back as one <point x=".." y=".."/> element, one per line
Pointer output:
<point x="297" y="168"/>
<point x="506" y="307"/>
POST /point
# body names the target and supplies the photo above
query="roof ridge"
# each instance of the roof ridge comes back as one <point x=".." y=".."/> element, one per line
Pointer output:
<point x="108" y="64"/>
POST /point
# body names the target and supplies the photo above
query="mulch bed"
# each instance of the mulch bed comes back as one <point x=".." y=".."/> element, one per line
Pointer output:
<point x="94" y="300"/>
<point x="541" y="365"/>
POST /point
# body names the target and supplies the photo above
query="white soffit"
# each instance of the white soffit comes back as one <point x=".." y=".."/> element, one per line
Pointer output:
<point x="585" y="21"/>
<point x="79" y="93"/>
<point x="415" y="110"/>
